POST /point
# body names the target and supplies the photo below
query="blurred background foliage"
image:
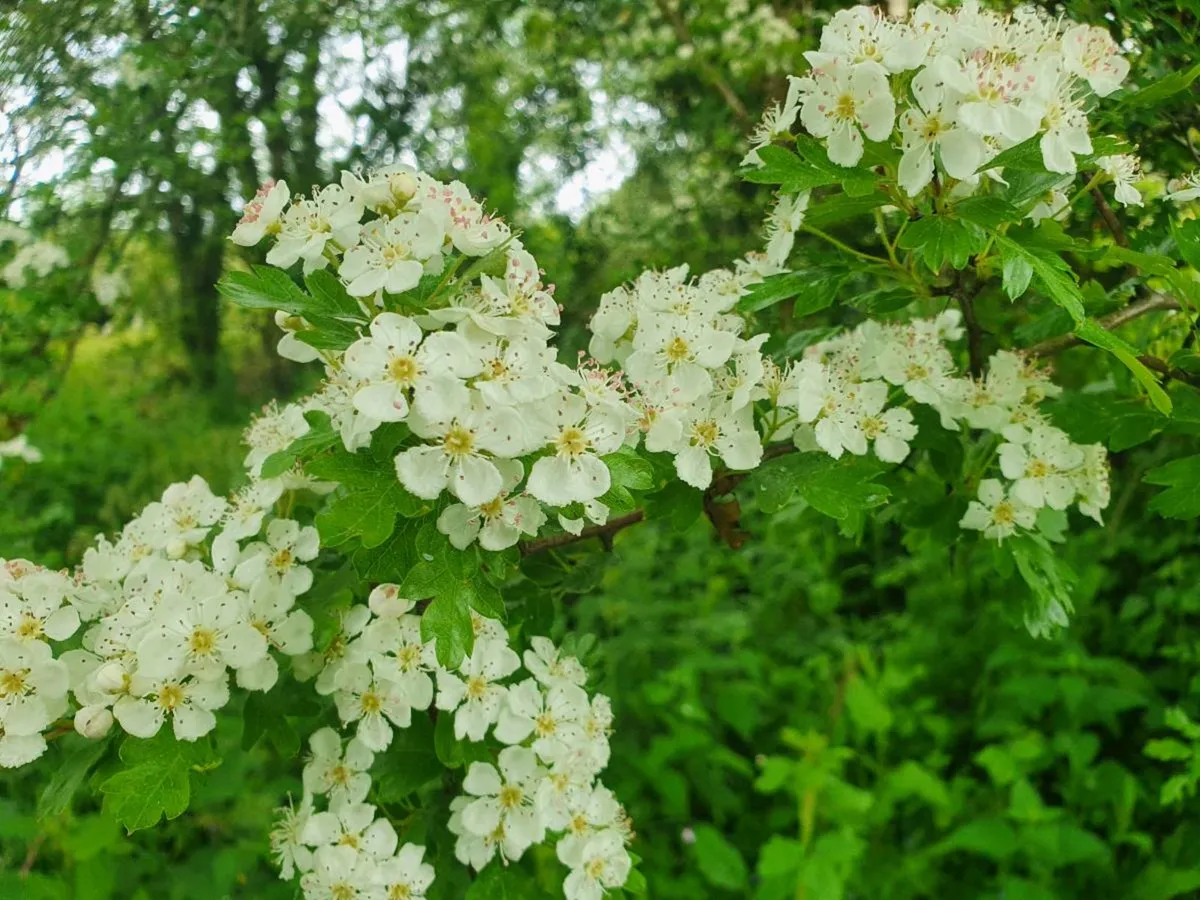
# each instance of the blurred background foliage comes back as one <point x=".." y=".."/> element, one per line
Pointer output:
<point x="808" y="717"/>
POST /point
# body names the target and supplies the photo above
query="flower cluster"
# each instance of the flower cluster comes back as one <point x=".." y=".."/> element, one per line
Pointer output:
<point x="851" y="393"/>
<point x="954" y="88"/>
<point x="554" y="737"/>
<point x="693" y="375"/>
<point x="174" y="605"/>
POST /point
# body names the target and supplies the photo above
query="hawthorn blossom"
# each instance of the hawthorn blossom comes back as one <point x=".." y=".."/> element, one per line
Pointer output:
<point x="843" y="103"/>
<point x="995" y="513"/>
<point x="392" y="255"/>
<point x="504" y="801"/>
<point x="261" y="215"/>
<point x="473" y="695"/>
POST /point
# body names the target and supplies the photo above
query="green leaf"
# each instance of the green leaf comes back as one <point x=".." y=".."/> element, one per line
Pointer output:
<point x="78" y="758"/>
<point x="987" y="212"/>
<point x="1016" y="272"/>
<point x="366" y="510"/>
<point x="1168" y="750"/>
<point x="330" y="298"/>
<point x="1160" y="90"/>
<point x="1187" y="239"/>
<point x="993" y="838"/>
<point x="813" y="290"/>
<point x="938" y="240"/>
<point x="1056" y="279"/>
<point x="263" y="716"/>
<point x="498" y="882"/>
<point x="448" y="621"/>
<point x="320" y="436"/>
<point x="411" y="760"/>
<point x="1181" y="477"/>
<point x="155" y="782"/>
<point x="837" y="488"/>
<point x="630" y="471"/>
<point x="1026" y="155"/>
<point x="719" y="861"/>
<point x="809" y="167"/>
<point x="866" y="709"/>
<point x="822" y="215"/>
<point x="1094" y="333"/>
<point x="265" y="287"/>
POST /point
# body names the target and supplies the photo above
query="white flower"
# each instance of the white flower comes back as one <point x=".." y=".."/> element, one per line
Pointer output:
<point x="505" y="801"/>
<point x="996" y="515"/>
<point x="352" y="825"/>
<point x="286" y="846"/>
<point x="33" y="687"/>
<point x="395" y="363"/>
<point x="705" y="430"/>
<point x="17" y="750"/>
<point x="929" y="131"/>
<point x="476" y="696"/>
<point x="406" y="876"/>
<point x="1187" y="188"/>
<point x="19" y="448"/>
<point x="339" y="873"/>
<point x="202" y="636"/>
<point x="308" y="227"/>
<point x="1040" y="466"/>
<point x="498" y="524"/>
<point x="1125" y="170"/>
<point x="397" y="653"/>
<point x="782" y="223"/>
<point x="1092" y="54"/>
<point x="189" y="703"/>
<point x="261" y="215"/>
<point x="575" y="473"/>
<point x="545" y="663"/>
<point x="776" y="122"/>
<point x="34" y="606"/>
<point x="596" y="865"/>
<point x="552" y="716"/>
<point x="278" y="560"/>
<point x="674" y="353"/>
<point x="863" y="37"/>
<point x="342" y="774"/>
<point x="845" y="102"/>
<point x="288" y="630"/>
<point x="456" y="460"/>
<point x="374" y="703"/>
<point x="393" y="255"/>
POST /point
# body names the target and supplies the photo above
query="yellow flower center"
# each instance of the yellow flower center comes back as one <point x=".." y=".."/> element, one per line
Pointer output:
<point x="677" y="349"/>
<point x="705" y="434"/>
<point x="371" y="703"/>
<point x="545" y="725"/>
<point x="571" y="442"/>
<point x="476" y="688"/>
<point x="1004" y="514"/>
<point x="282" y="559"/>
<point x="1037" y="469"/>
<point x="30" y="627"/>
<point x="202" y="642"/>
<point x="510" y="797"/>
<point x="846" y="108"/>
<point x="492" y="509"/>
<point x="458" y="441"/>
<point x="12" y="682"/>
<point x="399" y="892"/>
<point x="403" y="370"/>
<point x="170" y="696"/>
<point x="341" y="891"/>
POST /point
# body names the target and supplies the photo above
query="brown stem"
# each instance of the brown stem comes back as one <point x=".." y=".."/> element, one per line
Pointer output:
<point x="974" y="334"/>
<point x="1110" y="218"/>
<point x="722" y="485"/>
<point x="1115" y="320"/>
<point x="1165" y="368"/>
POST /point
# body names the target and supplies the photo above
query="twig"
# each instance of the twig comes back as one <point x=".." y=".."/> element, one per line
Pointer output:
<point x="1165" y="368"/>
<point x="1110" y="218"/>
<point x="722" y="485"/>
<point x="31" y="856"/>
<point x="1115" y="320"/>
<point x="974" y="333"/>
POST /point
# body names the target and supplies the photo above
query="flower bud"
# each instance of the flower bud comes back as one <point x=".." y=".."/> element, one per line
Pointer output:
<point x="93" y="722"/>
<point x="111" y="677"/>
<point x="176" y="548"/>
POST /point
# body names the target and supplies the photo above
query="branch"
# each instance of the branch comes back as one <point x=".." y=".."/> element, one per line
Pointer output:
<point x="1115" y="320"/>
<point x="1165" y="368"/>
<point x="974" y="334"/>
<point x="721" y="486"/>
<point x="1110" y="218"/>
